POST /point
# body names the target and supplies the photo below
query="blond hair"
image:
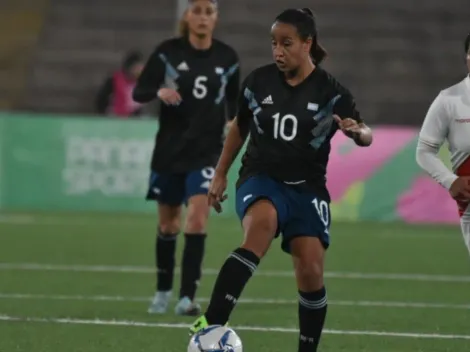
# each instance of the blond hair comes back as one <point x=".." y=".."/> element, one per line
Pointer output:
<point x="183" y="27"/>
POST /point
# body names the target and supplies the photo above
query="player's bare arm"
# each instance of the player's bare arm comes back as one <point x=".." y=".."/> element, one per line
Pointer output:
<point x="357" y="131"/>
<point x="232" y="146"/>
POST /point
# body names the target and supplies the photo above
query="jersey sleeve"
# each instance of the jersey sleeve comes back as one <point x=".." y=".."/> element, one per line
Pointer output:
<point x="345" y="107"/>
<point x="436" y="124"/>
<point x="232" y="88"/>
<point x="151" y="78"/>
<point x="431" y="137"/>
<point x="244" y="113"/>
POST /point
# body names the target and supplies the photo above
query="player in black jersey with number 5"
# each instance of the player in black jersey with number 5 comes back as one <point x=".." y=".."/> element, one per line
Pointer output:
<point x="291" y="109"/>
<point x="196" y="78"/>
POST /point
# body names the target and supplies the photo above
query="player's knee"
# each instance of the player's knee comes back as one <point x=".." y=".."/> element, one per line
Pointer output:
<point x="170" y="226"/>
<point x="197" y="214"/>
<point x="309" y="274"/>
<point x="260" y="224"/>
<point x="195" y="223"/>
<point x="169" y="219"/>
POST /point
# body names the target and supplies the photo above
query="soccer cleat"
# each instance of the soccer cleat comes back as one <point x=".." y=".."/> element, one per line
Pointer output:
<point x="187" y="307"/>
<point x="160" y="303"/>
<point x="198" y="325"/>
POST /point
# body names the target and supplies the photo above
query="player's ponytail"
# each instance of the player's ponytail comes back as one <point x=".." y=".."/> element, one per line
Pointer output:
<point x="308" y="11"/>
<point x="317" y="52"/>
<point x="304" y="21"/>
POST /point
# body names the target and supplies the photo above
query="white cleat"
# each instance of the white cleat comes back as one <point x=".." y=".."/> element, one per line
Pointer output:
<point x="187" y="307"/>
<point x="160" y="303"/>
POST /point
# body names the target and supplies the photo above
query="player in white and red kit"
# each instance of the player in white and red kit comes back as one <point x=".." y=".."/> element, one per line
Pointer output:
<point x="448" y="119"/>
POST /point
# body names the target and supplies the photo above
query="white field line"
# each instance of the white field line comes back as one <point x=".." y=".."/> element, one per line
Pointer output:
<point x="49" y="220"/>
<point x="16" y="219"/>
<point x="257" y="301"/>
<point x="238" y="328"/>
<point x="209" y="271"/>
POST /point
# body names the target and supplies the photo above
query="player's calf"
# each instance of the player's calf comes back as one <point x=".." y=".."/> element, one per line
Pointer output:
<point x="260" y="225"/>
<point x="193" y="254"/>
<point x="165" y="249"/>
<point x="308" y="256"/>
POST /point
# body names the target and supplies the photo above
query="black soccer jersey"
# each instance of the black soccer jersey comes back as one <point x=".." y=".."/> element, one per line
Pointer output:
<point x="190" y="134"/>
<point x="291" y="126"/>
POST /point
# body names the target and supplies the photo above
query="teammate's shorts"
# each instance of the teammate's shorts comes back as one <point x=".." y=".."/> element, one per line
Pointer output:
<point x="175" y="189"/>
<point x="299" y="213"/>
<point x="465" y="223"/>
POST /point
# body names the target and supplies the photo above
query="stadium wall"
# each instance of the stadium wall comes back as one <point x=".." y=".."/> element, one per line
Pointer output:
<point x="63" y="163"/>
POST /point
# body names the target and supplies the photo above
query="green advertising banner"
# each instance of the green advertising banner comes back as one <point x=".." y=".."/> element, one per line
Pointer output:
<point x="52" y="163"/>
<point x="76" y="164"/>
<point x="93" y="164"/>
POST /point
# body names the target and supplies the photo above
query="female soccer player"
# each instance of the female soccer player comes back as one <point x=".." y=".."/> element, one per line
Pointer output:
<point x="196" y="77"/>
<point x="291" y="109"/>
<point x="448" y="119"/>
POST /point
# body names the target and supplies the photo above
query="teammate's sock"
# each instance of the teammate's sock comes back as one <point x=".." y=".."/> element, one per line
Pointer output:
<point x="165" y="249"/>
<point x="312" y="313"/>
<point x="232" y="278"/>
<point x="193" y="255"/>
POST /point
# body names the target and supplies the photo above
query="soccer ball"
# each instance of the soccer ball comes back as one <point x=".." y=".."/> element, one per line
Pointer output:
<point x="215" y="338"/>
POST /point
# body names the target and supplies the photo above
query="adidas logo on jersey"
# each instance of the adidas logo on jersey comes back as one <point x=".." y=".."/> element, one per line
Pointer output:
<point x="267" y="100"/>
<point x="183" y="66"/>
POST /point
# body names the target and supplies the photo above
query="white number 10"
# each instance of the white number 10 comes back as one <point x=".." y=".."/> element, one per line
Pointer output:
<point x="280" y="127"/>
<point x="322" y="210"/>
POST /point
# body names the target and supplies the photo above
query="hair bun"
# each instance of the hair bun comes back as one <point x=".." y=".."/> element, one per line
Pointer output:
<point x="307" y="11"/>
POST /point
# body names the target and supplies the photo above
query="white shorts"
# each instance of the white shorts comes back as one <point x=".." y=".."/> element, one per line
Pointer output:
<point x="465" y="223"/>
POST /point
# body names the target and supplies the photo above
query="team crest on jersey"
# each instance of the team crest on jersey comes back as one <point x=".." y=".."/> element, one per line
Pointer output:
<point x="312" y="106"/>
<point x="219" y="70"/>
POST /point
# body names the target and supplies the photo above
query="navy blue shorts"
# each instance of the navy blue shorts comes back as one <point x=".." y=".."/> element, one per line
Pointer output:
<point x="175" y="189"/>
<point x="299" y="213"/>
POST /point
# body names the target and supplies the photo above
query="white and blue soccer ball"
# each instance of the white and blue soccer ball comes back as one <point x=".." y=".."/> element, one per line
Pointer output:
<point x="215" y="338"/>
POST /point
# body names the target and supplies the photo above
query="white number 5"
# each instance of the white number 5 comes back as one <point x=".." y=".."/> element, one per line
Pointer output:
<point x="200" y="90"/>
<point x="322" y="210"/>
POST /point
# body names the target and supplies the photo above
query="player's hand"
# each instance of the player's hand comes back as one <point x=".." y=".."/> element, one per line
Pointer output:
<point x="169" y="96"/>
<point x="460" y="189"/>
<point x="348" y="126"/>
<point x="216" y="192"/>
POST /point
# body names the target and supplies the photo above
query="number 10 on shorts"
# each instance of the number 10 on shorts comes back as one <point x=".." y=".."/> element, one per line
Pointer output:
<point x="323" y="212"/>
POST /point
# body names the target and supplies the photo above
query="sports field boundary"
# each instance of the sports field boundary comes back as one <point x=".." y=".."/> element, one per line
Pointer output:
<point x="212" y="271"/>
<point x="130" y="323"/>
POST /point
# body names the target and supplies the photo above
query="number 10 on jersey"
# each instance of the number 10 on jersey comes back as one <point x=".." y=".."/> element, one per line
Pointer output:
<point x="280" y="127"/>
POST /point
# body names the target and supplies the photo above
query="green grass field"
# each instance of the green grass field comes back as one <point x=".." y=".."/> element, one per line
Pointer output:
<point x="81" y="283"/>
